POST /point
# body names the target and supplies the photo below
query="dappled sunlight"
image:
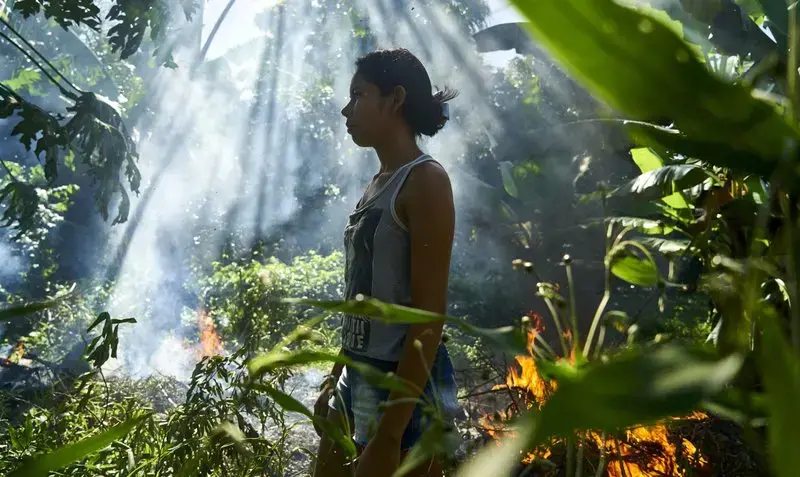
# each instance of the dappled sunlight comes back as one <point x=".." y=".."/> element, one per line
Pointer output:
<point x="225" y="153"/>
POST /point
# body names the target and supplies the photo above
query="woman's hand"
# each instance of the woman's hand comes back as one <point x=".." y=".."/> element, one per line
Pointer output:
<point x="380" y="458"/>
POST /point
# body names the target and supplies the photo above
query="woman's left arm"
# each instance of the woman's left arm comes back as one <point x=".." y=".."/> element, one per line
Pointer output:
<point x="426" y="206"/>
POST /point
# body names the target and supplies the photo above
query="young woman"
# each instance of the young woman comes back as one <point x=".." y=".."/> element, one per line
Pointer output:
<point x="397" y="247"/>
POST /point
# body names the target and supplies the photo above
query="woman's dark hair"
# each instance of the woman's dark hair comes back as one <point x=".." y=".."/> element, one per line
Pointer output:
<point x="423" y="110"/>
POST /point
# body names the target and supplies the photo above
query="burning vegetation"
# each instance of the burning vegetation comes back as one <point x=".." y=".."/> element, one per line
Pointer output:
<point x="210" y="343"/>
<point x="663" y="449"/>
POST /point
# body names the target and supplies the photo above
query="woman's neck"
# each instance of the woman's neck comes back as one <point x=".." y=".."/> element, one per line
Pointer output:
<point x="396" y="153"/>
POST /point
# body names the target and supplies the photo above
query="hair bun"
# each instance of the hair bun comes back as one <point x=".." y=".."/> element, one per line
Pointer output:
<point x="442" y="108"/>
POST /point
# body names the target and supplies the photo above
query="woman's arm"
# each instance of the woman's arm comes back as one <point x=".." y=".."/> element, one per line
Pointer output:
<point x="426" y="207"/>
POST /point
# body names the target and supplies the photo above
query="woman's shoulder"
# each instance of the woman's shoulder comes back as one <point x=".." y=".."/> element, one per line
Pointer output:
<point x="428" y="173"/>
<point x="428" y="182"/>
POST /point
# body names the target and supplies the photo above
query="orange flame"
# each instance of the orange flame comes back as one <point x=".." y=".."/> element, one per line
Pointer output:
<point x="15" y="356"/>
<point x="210" y="343"/>
<point x="643" y="452"/>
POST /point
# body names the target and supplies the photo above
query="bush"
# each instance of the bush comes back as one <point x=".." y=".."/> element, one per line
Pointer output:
<point x="244" y="297"/>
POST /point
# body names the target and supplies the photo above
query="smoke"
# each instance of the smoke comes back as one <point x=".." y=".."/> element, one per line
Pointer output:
<point x="250" y="144"/>
<point x="12" y="262"/>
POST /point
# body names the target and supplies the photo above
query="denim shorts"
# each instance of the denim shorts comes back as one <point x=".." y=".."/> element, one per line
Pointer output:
<point x="360" y="400"/>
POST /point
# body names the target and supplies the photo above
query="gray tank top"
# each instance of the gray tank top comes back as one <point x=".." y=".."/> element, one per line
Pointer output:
<point x="377" y="265"/>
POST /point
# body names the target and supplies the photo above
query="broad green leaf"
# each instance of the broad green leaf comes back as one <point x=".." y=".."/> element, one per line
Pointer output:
<point x="262" y="364"/>
<point x="507" y="339"/>
<point x="16" y="311"/>
<point x="697" y="147"/>
<point x="507" y="173"/>
<point x="665" y="246"/>
<point x="780" y="367"/>
<point x="676" y="201"/>
<point x="635" y="270"/>
<point x="643" y="68"/>
<point x="739" y="406"/>
<point x="41" y="465"/>
<point x="777" y="12"/>
<point x="646" y="159"/>
<point x="647" y="226"/>
<point x="365" y="306"/>
<point x="664" y="181"/>
<point x="635" y="388"/>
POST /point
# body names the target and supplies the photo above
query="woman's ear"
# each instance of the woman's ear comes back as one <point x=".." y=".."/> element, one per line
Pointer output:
<point x="398" y="98"/>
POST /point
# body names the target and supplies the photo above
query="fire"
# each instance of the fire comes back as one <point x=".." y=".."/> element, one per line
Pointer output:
<point x="210" y="343"/>
<point x="644" y="451"/>
<point x="15" y="356"/>
<point x="648" y="451"/>
<point x="527" y="378"/>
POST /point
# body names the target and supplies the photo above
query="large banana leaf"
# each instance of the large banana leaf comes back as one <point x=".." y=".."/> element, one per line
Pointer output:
<point x="664" y="181"/>
<point x="642" y="67"/>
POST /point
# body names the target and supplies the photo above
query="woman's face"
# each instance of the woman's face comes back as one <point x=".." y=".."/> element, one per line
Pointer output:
<point x="368" y="114"/>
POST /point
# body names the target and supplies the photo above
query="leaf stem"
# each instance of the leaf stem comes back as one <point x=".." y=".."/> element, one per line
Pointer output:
<point x="573" y="314"/>
<point x="559" y="328"/>
<point x="791" y="70"/>
<point x="601" y="465"/>
<point x="579" y="459"/>
<point x="597" y="315"/>
<point x="570" y="456"/>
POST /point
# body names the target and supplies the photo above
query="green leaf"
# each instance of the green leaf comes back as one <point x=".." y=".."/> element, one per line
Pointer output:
<point x="778" y="15"/>
<point x="780" y="367"/>
<point x="123" y="320"/>
<point x="635" y="270"/>
<point x="646" y="159"/>
<point x="647" y="226"/>
<point x="365" y="306"/>
<point x="716" y="153"/>
<point x="437" y="440"/>
<point x="507" y="173"/>
<point x="41" y="465"/>
<point x="291" y="404"/>
<point x="283" y="400"/>
<point x="507" y="339"/>
<point x="664" y="181"/>
<point x="665" y="246"/>
<point x="643" y="68"/>
<point x="635" y="388"/>
<point x="16" y="311"/>
<point x="102" y="317"/>
<point x="25" y="79"/>
<point x="262" y="364"/>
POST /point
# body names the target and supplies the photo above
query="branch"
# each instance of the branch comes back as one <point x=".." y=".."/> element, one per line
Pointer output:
<point x="212" y="34"/>
<point x="38" y="65"/>
<point x="60" y="75"/>
<point x="8" y="171"/>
